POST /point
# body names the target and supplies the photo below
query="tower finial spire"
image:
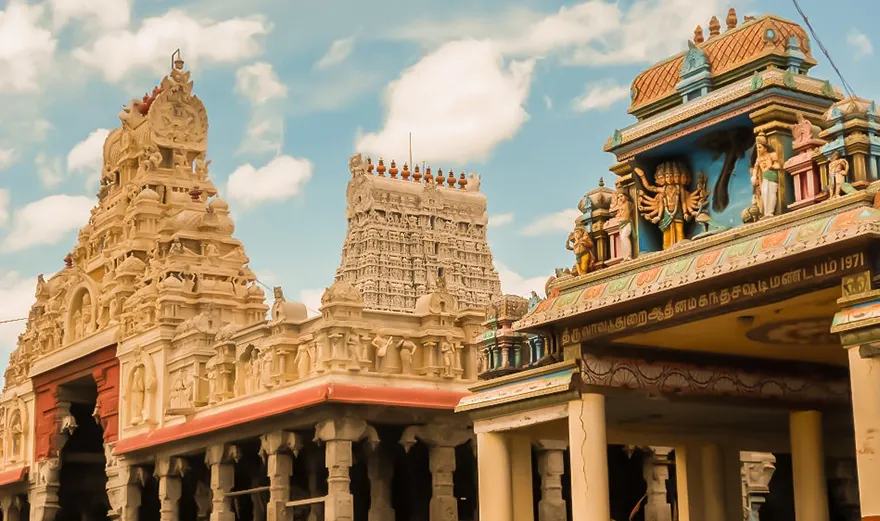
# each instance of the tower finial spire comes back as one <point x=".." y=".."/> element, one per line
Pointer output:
<point x="176" y="60"/>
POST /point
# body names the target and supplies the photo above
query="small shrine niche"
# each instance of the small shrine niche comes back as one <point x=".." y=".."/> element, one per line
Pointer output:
<point x="16" y="436"/>
<point x="81" y="316"/>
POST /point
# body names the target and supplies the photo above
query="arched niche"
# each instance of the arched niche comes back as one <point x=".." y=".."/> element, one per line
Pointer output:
<point x="82" y="312"/>
<point x="140" y="388"/>
<point x="16" y="432"/>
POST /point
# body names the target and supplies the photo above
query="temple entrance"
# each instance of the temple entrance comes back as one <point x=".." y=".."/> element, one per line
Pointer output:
<point x="82" y="493"/>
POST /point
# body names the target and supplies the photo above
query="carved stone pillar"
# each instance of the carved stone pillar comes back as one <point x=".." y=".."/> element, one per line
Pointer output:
<point x="442" y="440"/>
<point x="124" y="484"/>
<point x="313" y="462"/>
<point x="279" y="448"/>
<point x="169" y="472"/>
<point x="12" y="506"/>
<point x="758" y="469"/>
<point x="221" y="460"/>
<point x="43" y="494"/>
<point x="380" y="471"/>
<point x="656" y="473"/>
<point x="551" y="466"/>
<point x="338" y="434"/>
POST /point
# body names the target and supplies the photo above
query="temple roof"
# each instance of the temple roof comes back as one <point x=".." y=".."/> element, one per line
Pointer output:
<point x="726" y="52"/>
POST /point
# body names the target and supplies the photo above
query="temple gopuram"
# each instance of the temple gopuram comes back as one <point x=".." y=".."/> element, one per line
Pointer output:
<point x="155" y="382"/>
<point x="712" y="353"/>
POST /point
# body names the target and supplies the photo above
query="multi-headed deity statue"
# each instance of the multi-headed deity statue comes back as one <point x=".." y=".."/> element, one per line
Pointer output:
<point x="580" y="242"/>
<point x="838" y="169"/>
<point x="670" y="202"/>
<point x="765" y="176"/>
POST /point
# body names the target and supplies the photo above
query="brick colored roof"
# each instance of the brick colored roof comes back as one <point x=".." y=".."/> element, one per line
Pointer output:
<point x="727" y="51"/>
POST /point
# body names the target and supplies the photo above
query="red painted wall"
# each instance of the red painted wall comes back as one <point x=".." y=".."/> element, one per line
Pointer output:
<point x="103" y="367"/>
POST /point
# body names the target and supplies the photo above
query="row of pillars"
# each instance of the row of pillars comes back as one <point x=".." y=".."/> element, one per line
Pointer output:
<point x="708" y="475"/>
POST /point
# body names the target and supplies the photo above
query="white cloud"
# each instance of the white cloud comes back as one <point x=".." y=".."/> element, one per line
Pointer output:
<point x="512" y="283"/>
<point x="46" y="221"/>
<point x="459" y="102"/>
<point x="108" y="14"/>
<point x="500" y="219"/>
<point x="118" y="54"/>
<point x="7" y="158"/>
<point x="259" y="83"/>
<point x="87" y="156"/>
<point x="562" y="221"/>
<point x="49" y="170"/>
<point x="600" y="96"/>
<point x="4" y="207"/>
<point x="311" y="299"/>
<point x="338" y="52"/>
<point x="860" y="43"/>
<point x="16" y="298"/>
<point x="26" y="49"/>
<point x="282" y="178"/>
<point x="548" y="102"/>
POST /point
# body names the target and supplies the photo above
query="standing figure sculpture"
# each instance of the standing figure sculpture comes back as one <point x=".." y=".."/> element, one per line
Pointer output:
<point x="838" y="169"/>
<point x="622" y="209"/>
<point x="671" y="203"/>
<point x="765" y="176"/>
<point x="581" y="244"/>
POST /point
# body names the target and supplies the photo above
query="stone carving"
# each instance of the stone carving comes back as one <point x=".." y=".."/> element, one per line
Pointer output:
<point x="407" y="351"/>
<point x="181" y="390"/>
<point x="141" y="388"/>
<point x="765" y="177"/>
<point x="838" y="169"/>
<point x="671" y="203"/>
<point x="581" y="244"/>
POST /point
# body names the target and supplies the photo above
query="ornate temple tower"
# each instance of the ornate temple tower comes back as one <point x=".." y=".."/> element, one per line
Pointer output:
<point x="409" y="234"/>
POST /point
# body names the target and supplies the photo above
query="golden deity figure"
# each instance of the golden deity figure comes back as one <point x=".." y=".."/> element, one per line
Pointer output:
<point x="670" y="203"/>
<point x="765" y="176"/>
<point x="580" y="242"/>
<point x="838" y="169"/>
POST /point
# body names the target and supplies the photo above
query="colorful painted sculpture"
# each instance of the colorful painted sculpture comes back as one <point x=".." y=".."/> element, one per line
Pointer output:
<point x="581" y="244"/>
<point x="671" y="203"/>
<point x="838" y="169"/>
<point x="765" y="176"/>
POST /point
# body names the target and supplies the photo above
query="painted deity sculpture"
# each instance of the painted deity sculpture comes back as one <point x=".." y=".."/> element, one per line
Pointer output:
<point x="623" y="211"/>
<point x="581" y="244"/>
<point x="765" y="176"/>
<point x="838" y="169"/>
<point x="671" y="203"/>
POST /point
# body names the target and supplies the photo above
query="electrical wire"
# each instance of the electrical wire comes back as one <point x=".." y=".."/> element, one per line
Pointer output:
<point x="815" y="36"/>
<point x="10" y="320"/>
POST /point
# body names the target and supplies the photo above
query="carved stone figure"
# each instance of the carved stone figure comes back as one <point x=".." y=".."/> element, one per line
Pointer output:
<point x="838" y="169"/>
<point x="765" y="175"/>
<point x="137" y="394"/>
<point x="447" y="351"/>
<point x="581" y="244"/>
<point x="303" y="361"/>
<point x="353" y="347"/>
<point x="181" y="397"/>
<point x="201" y="168"/>
<point x="623" y="212"/>
<point x="671" y="203"/>
<point x="407" y="351"/>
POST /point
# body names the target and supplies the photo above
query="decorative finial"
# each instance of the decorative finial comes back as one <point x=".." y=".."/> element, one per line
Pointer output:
<point x="731" y="19"/>
<point x="176" y="60"/>
<point x="417" y="175"/>
<point x="698" y="35"/>
<point x="714" y="27"/>
<point x="428" y="176"/>
<point x="405" y="173"/>
<point x="439" y="177"/>
<point x="601" y="182"/>
<point x="369" y="165"/>
<point x="195" y="193"/>
<point x="462" y="181"/>
<point x="381" y="168"/>
<point x="68" y="261"/>
<point x="393" y="170"/>
<point x="450" y="179"/>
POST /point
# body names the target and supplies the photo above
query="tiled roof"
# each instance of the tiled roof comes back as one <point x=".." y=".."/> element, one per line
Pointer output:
<point x="726" y="52"/>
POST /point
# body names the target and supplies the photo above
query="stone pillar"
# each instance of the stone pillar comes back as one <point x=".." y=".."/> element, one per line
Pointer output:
<point x="221" y="460"/>
<point x="169" y="472"/>
<point x="442" y="440"/>
<point x="43" y="493"/>
<point x="279" y="449"/>
<point x="656" y="474"/>
<point x="683" y="479"/>
<point x="551" y="466"/>
<point x="380" y="470"/>
<point x="313" y="462"/>
<point x="338" y="434"/>
<point x="521" y="478"/>
<point x="11" y="506"/>
<point x="494" y="477"/>
<point x="757" y="469"/>
<point x="590" y="499"/>
<point x="808" y="466"/>
<point x="712" y="471"/>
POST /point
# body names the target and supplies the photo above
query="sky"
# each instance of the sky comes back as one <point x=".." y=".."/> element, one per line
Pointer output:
<point x="524" y="93"/>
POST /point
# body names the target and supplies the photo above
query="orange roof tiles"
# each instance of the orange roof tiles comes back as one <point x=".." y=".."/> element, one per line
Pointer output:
<point x="726" y="52"/>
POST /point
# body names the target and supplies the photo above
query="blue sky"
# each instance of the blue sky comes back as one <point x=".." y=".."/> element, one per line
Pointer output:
<point x="525" y="93"/>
